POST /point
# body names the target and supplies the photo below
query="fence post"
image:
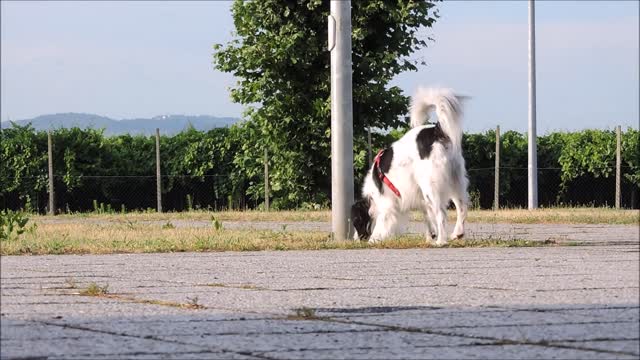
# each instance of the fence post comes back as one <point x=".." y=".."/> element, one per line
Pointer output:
<point x="158" y="178"/>
<point x="618" y="165"/>
<point x="52" y="202"/>
<point x="496" y="180"/>
<point x="266" y="180"/>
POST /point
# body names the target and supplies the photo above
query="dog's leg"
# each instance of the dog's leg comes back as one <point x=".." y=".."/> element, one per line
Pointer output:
<point x="428" y="219"/>
<point x="439" y="213"/>
<point x="430" y="209"/>
<point x="441" y="222"/>
<point x="461" y="217"/>
<point x="461" y="201"/>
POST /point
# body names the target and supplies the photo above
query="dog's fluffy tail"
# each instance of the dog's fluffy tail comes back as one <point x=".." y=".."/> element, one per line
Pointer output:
<point x="448" y="108"/>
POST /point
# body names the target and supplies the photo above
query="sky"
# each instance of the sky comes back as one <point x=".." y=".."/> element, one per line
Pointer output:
<point x="142" y="59"/>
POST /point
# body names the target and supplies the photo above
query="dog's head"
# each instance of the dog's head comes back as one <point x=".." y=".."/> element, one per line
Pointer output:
<point x="361" y="219"/>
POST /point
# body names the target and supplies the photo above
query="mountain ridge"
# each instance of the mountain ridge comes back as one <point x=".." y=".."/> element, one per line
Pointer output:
<point x="168" y="124"/>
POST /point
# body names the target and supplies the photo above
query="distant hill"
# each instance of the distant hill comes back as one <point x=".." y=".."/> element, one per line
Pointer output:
<point x="168" y="124"/>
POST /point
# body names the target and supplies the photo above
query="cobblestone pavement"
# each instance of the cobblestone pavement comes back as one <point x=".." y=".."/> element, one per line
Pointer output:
<point x="546" y="302"/>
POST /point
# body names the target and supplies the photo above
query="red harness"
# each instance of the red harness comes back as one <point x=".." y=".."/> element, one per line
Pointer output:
<point x="382" y="176"/>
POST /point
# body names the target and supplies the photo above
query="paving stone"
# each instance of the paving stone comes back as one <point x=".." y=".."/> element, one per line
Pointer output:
<point x="555" y="332"/>
<point x="203" y="326"/>
<point x="325" y="341"/>
<point x="446" y="352"/>
<point x="549" y="302"/>
<point x="204" y="355"/>
<point x="99" y="344"/>
<point x="627" y="346"/>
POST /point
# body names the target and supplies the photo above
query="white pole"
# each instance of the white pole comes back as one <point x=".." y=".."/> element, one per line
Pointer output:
<point x="533" y="154"/>
<point x="158" y="178"/>
<point x="341" y="118"/>
<point x="496" y="178"/>
<point x="52" y="202"/>
<point x="618" y="164"/>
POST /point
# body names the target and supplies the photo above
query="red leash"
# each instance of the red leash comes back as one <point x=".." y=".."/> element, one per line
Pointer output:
<point x="382" y="176"/>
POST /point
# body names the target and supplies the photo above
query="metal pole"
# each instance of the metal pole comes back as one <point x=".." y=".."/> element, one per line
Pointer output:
<point x="533" y="154"/>
<point x="266" y="180"/>
<point x="52" y="202"/>
<point x="369" y="146"/>
<point x="496" y="185"/>
<point x="341" y="118"/>
<point x="618" y="164"/>
<point x="158" y="178"/>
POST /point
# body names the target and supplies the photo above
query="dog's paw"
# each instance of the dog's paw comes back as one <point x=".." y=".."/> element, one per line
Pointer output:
<point x="457" y="236"/>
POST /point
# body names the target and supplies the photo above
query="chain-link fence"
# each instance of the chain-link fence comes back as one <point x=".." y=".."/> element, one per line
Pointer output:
<point x="581" y="191"/>
<point x="212" y="192"/>
<point x="180" y="192"/>
<point x="129" y="193"/>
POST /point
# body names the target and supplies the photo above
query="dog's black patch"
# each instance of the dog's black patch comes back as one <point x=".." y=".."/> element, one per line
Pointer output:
<point x="360" y="218"/>
<point x="427" y="136"/>
<point x="385" y="165"/>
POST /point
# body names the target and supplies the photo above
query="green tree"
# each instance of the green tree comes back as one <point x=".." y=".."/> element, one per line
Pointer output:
<point x="279" y="56"/>
<point x="23" y="165"/>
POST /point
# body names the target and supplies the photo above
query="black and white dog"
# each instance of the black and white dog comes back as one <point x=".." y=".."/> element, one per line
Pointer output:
<point x="423" y="170"/>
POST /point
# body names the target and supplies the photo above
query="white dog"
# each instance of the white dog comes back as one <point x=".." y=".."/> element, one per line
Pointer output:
<point x="423" y="170"/>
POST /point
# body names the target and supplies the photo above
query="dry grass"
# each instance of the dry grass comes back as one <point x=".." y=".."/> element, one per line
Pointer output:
<point x="519" y="216"/>
<point x="96" y="290"/>
<point x="249" y="215"/>
<point x="83" y="238"/>
<point x="555" y="216"/>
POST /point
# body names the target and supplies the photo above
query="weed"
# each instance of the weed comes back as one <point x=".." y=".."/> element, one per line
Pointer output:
<point x="189" y="203"/>
<point x="216" y="285"/>
<point x="70" y="283"/>
<point x="95" y="290"/>
<point x="305" y="313"/>
<point x="131" y="224"/>
<point x="192" y="303"/>
<point x="215" y="223"/>
<point x="168" y="225"/>
<point x="13" y="224"/>
<point x="241" y="286"/>
<point x="100" y="208"/>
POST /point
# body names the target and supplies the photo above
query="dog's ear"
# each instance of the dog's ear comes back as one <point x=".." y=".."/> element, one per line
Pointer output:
<point x="361" y="219"/>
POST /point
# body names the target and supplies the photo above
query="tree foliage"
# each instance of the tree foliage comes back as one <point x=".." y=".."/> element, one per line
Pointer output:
<point x="279" y="56"/>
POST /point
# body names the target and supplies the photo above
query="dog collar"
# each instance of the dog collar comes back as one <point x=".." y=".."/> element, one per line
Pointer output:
<point x="382" y="176"/>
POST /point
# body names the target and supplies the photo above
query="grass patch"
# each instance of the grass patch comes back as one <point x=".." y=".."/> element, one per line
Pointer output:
<point x="87" y="238"/>
<point x="241" y="286"/>
<point x="555" y="216"/>
<point x="192" y="303"/>
<point x="303" y="313"/>
<point x="565" y="215"/>
<point x="95" y="290"/>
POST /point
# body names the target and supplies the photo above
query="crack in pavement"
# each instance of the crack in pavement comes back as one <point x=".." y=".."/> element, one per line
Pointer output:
<point x="543" y="343"/>
<point x="150" y="337"/>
